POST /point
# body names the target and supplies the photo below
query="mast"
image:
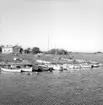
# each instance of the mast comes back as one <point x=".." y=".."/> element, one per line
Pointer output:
<point x="48" y="43"/>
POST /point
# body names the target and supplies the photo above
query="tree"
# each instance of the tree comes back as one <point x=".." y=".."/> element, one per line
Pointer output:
<point x="28" y="50"/>
<point x="58" y="51"/>
<point x="52" y="51"/>
<point x="0" y="49"/>
<point x="21" y="50"/>
<point x="62" y="52"/>
<point x="98" y="52"/>
<point x="35" y="50"/>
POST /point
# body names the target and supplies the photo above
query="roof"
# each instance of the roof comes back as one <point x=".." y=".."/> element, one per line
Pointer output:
<point x="8" y="46"/>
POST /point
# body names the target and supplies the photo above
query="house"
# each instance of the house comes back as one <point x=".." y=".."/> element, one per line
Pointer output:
<point x="7" y="49"/>
<point x="16" y="49"/>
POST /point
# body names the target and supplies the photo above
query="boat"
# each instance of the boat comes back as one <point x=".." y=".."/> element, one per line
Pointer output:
<point x="41" y="67"/>
<point x="85" y="66"/>
<point x="44" y="68"/>
<point x="10" y="69"/>
<point x="26" y="69"/>
<point x="58" y="67"/>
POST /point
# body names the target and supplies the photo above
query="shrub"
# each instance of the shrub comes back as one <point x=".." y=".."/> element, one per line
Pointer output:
<point x="58" y="51"/>
<point x="35" y="50"/>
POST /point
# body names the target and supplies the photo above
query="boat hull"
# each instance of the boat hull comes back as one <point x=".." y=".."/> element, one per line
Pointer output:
<point x="26" y="69"/>
<point x="10" y="70"/>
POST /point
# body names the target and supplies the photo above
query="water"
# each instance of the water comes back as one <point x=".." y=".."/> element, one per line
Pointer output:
<point x="46" y="88"/>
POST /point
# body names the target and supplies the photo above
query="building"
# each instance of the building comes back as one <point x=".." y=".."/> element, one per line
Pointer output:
<point x="16" y="49"/>
<point x="11" y="49"/>
<point x="7" y="49"/>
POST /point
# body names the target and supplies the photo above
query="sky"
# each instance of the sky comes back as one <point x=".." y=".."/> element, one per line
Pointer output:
<point x="74" y="25"/>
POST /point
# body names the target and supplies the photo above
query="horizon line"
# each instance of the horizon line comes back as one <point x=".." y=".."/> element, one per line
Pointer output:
<point x="49" y="48"/>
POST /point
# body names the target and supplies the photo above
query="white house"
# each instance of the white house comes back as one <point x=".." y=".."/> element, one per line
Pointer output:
<point x="7" y="49"/>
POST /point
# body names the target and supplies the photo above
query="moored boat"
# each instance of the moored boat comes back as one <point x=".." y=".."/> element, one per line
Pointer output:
<point x="85" y="65"/>
<point x="26" y="69"/>
<point x="58" y="67"/>
<point x="44" y="68"/>
<point x="10" y="69"/>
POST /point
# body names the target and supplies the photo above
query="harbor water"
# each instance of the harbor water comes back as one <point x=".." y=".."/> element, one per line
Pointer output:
<point x="52" y="88"/>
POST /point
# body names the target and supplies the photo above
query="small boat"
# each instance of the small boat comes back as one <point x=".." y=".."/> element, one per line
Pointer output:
<point x="26" y="69"/>
<point x="44" y="68"/>
<point x="10" y="69"/>
<point x="58" y="67"/>
<point x="85" y="66"/>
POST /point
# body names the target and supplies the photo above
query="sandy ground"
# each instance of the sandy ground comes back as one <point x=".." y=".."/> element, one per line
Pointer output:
<point x="64" y="88"/>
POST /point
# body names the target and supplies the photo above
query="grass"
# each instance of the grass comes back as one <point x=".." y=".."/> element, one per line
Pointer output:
<point x="86" y="56"/>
